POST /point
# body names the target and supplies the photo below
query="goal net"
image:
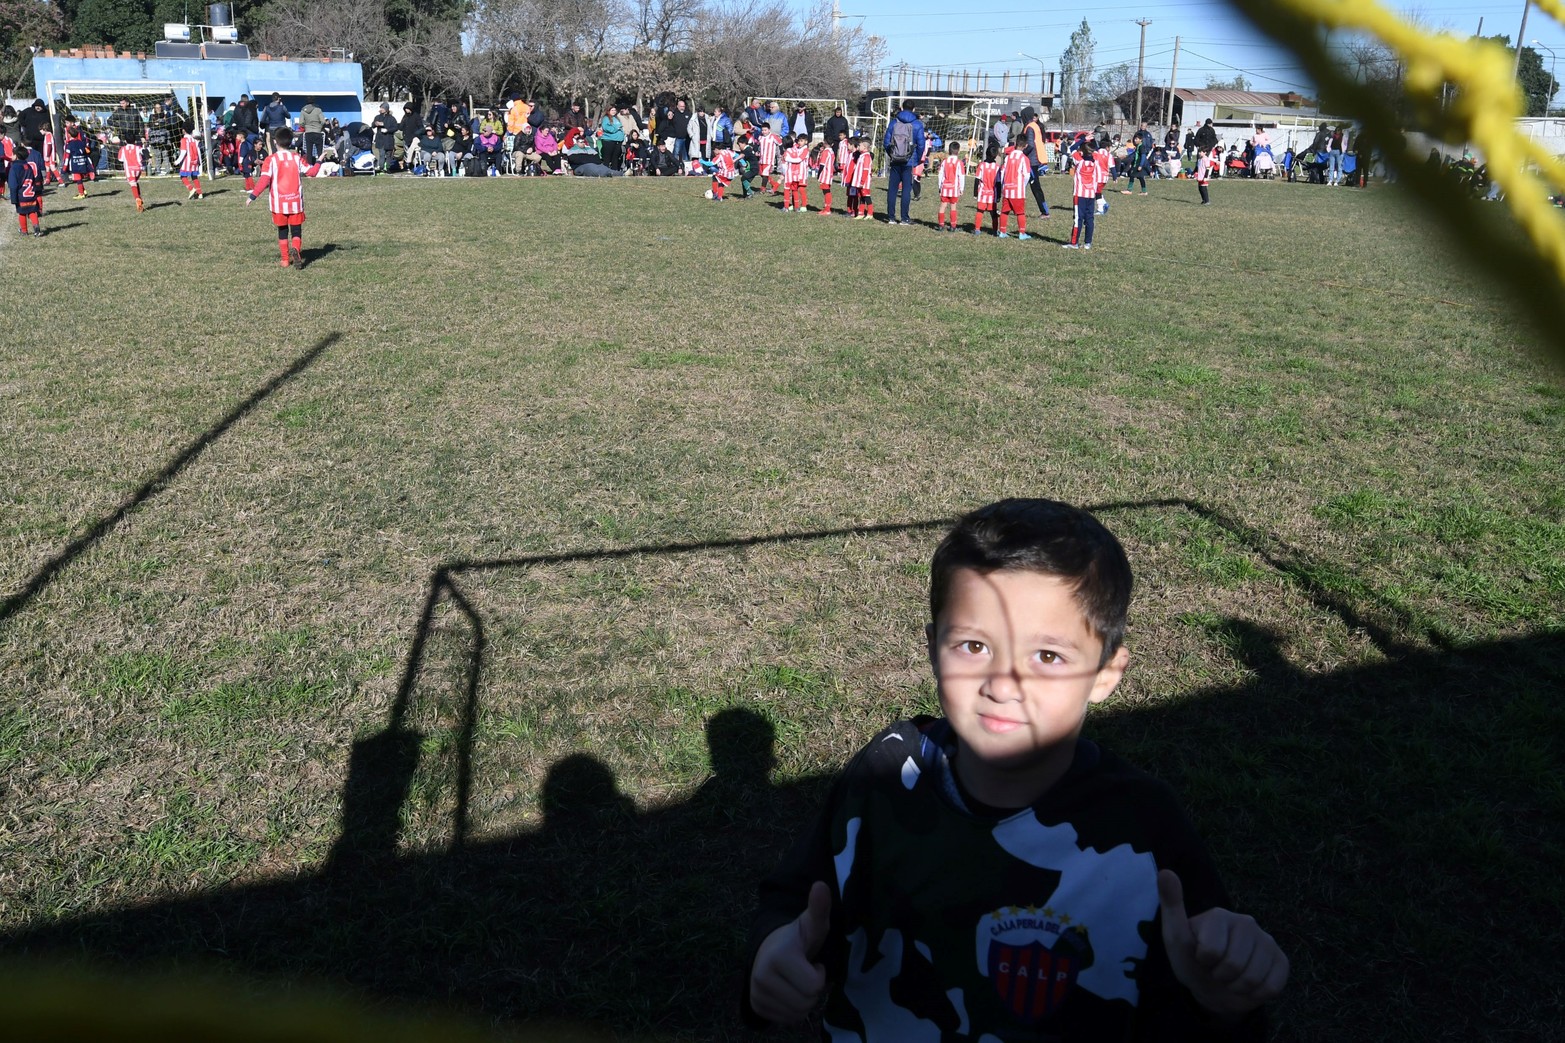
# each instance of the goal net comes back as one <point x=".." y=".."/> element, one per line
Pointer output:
<point x="94" y="101"/>
<point x="946" y="118"/>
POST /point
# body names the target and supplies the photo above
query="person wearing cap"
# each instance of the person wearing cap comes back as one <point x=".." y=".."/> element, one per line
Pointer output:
<point x="1000" y="133"/>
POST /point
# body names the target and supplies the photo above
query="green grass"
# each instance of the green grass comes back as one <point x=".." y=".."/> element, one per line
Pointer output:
<point x="1338" y="474"/>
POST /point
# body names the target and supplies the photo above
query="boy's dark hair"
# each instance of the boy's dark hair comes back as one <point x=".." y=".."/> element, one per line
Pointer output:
<point x="1048" y="537"/>
<point x="283" y="136"/>
<point x="992" y="153"/>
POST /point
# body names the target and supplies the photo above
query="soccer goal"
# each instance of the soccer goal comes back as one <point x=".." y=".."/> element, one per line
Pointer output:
<point x="94" y="101"/>
<point x="965" y="120"/>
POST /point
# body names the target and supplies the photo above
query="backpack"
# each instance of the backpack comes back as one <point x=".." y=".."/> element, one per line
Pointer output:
<point x="901" y="141"/>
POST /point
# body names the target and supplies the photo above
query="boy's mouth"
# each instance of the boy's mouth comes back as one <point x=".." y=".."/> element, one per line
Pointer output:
<point x="998" y="725"/>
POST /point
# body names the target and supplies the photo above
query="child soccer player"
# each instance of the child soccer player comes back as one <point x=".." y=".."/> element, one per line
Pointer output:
<point x="796" y="174"/>
<point x="726" y="170"/>
<point x="771" y="148"/>
<point x="861" y="204"/>
<point x="245" y="151"/>
<point x="284" y="173"/>
<point x="992" y="869"/>
<point x="134" y="163"/>
<point x="51" y="160"/>
<point x="1086" y="187"/>
<point x="190" y="165"/>
<point x="825" y="173"/>
<point x="984" y="179"/>
<point x="845" y="151"/>
<point x="1203" y="171"/>
<point x="748" y="162"/>
<point x="25" y="182"/>
<point x="953" y="178"/>
<point x="1015" y="172"/>
<point x="78" y="161"/>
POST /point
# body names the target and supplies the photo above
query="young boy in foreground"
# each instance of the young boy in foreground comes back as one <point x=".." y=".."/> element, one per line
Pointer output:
<point x="991" y="874"/>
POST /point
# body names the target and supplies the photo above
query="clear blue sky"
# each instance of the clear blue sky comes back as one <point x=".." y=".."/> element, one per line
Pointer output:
<point x="1215" y="40"/>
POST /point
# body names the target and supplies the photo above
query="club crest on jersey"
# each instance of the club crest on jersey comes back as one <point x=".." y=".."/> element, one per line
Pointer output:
<point x="1032" y="955"/>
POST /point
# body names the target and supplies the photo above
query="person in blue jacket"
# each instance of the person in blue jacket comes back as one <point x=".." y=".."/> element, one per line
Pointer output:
<point x="904" y="146"/>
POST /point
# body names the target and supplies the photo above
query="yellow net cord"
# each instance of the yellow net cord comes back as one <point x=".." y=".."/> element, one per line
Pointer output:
<point x="1483" y="109"/>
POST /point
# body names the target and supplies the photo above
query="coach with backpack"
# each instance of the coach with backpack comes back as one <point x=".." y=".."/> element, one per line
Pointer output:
<point x="904" y="144"/>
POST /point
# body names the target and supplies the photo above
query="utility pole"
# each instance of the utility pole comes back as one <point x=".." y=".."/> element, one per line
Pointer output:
<point x="1141" y="64"/>
<point x="1521" y="34"/>
<point x="1173" y="84"/>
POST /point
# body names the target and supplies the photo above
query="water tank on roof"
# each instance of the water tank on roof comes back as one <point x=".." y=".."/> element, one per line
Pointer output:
<point x="219" y="14"/>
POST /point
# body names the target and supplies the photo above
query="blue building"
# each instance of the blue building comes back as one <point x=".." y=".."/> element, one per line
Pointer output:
<point x="336" y="86"/>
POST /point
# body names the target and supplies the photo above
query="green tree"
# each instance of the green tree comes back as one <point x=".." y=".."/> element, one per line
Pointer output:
<point x="1076" y="71"/>
<point x="1538" y="84"/>
<point x="131" y="25"/>
<point x="25" y="24"/>
<point x="1238" y="83"/>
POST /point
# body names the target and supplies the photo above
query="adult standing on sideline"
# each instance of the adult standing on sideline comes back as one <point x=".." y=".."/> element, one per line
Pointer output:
<point x="675" y="128"/>
<point x="754" y="113"/>
<point x="274" y="118"/>
<point x="1036" y="149"/>
<point x="411" y="125"/>
<point x="836" y="127"/>
<point x="722" y="129"/>
<point x="1205" y="138"/>
<point x="385" y="127"/>
<point x="904" y="144"/>
<point x="247" y="120"/>
<point x="313" y="122"/>
<point x="125" y="122"/>
<point x="1000" y="133"/>
<point x="574" y="118"/>
<point x="775" y="118"/>
<point x="803" y="122"/>
<point x="611" y="132"/>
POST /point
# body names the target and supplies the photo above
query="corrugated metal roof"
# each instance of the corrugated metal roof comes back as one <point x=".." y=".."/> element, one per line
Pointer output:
<point x="1216" y="97"/>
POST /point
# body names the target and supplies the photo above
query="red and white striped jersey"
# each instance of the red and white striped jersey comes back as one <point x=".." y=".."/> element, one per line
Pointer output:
<point x="769" y="143"/>
<point x="860" y="171"/>
<point x="725" y="164"/>
<point x="284" y="173"/>
<point x="1086" y="180"/>
<point x="796" y="165"/>
<point x="48" y="148"/>
<point x="1018" y="171"/>
<point x="131" y="159"/>
<point x="189" y="153"/>
<point x="1105" y="161"/>
<point x="844" y="155"/>
<point x="826" y="169"/>
<point x="953" y="176"/>
<point x="985" y="175"/>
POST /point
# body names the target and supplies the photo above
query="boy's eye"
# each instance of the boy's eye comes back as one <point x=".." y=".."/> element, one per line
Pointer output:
<point x="973" y="647"/>
<point x="1048" y="656"/>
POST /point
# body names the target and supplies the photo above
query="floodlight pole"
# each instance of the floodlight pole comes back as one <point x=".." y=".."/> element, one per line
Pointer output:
<point x="1141" y="63"/>
<point x="1553" y="83"/>
<point x="1042" y="71"/>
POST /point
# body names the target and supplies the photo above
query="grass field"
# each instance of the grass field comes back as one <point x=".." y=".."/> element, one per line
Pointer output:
<point x="470" y="617"/>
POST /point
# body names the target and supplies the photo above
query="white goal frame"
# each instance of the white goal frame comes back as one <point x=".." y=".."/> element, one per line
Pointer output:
<point x="72" y="96"/>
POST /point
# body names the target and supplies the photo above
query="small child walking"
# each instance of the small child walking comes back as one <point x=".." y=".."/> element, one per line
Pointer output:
<point x="796" y="171"/>
<point x="78" y="159"/>
<point x="25" y="182"/>
<point x="1086" y="186"/>
<point x="284" y="173"/>
<point x="1204" y="166"/>
<point x="190" y="165"/>
<point x="771" y="150"/>
<point x="244" y="152"/>
<point x="134" y="162"/>
<point x="953" y="179"/>
<point x="984" y="179"/>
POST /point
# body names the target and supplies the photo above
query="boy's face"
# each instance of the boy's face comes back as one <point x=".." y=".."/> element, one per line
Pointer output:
<point x="1016" y="666"/>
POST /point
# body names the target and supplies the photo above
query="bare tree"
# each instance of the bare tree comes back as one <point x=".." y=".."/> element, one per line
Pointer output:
<point x="745" y="48"/>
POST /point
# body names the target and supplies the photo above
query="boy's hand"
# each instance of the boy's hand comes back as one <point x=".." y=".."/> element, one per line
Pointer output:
<point x="1227" y="962"/>
<point x="786" y="982"/>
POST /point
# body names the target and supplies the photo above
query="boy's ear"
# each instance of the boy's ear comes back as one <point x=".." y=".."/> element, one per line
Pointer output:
<point x="929" y="645"/>
<point x="1109" y="676"/>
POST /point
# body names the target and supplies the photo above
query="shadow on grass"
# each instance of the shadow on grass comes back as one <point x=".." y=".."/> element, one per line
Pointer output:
<point x="49" y="230"/>
<point x="158" y="482"/>
<point x="1377" y="819"/>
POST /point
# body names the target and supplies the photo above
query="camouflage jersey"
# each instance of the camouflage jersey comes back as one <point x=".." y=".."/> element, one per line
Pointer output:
<point x="951" y="922"/>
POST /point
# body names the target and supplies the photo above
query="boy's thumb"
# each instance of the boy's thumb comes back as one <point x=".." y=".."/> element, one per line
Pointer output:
<point x="1177" y="936"/>
<point x="815" y="921"/>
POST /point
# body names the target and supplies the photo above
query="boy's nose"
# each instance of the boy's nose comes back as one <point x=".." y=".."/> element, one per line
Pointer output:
<point x="1002" y="684"/>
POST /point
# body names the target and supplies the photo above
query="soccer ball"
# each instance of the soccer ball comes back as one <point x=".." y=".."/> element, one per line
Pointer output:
<point x="709" y="193"/>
